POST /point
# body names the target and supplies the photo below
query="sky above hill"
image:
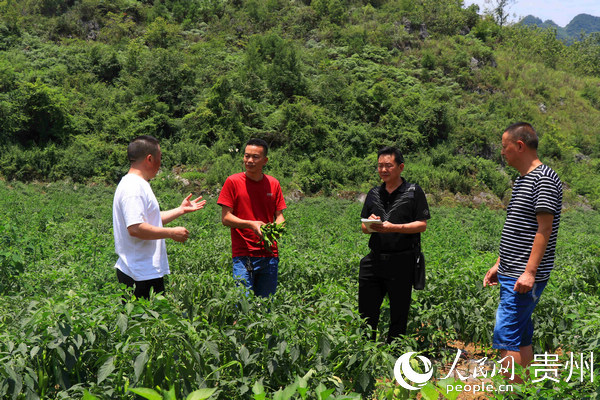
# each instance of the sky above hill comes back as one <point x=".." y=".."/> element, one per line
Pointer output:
<point x="559" y="11"/>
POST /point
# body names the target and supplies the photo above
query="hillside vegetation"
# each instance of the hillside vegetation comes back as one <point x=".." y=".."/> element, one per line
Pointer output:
<point x="578" y="27"/>
<point x="325" y="82"/>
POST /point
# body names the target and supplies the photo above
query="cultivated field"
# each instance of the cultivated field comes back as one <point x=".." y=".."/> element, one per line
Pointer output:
<point x="64" y="330"/>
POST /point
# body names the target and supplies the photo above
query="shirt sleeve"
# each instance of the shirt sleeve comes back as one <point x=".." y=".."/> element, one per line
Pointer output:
<point x="546" y="196"/>
<point x="421" y="206"/>
<point x="133" y="209"/>
<point x="280" y="200"/>
<point x="366" y="210"/>
<point x="226" y="194"/>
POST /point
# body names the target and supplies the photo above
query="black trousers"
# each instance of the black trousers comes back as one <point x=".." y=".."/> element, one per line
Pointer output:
<point x="380" y="277"/>
<point x="142" y="288"/>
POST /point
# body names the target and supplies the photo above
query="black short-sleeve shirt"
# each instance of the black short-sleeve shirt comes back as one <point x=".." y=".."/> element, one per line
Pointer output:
<point x="405" y="204"/>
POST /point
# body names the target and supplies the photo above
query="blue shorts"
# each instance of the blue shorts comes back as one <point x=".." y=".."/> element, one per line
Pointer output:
<point x="514" y="327"/>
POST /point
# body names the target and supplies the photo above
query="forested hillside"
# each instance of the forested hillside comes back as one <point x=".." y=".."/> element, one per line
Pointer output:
<point x="325" y="82"/>
<point x="581" y="25"/>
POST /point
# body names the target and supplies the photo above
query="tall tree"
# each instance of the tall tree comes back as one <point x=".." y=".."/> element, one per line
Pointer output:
<point x="500" y="10"/>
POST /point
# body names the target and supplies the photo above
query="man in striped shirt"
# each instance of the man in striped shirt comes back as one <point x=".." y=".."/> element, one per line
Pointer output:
<point x="527" y="244"/>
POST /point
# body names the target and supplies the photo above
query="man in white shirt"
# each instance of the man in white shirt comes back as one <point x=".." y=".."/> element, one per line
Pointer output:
<point x="138" y="221"/>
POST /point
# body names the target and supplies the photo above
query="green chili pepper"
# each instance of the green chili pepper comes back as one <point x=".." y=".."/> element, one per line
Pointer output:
<point x="271" y="233"/>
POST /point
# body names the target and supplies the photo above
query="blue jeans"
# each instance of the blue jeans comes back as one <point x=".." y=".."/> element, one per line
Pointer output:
<point x="514" y="327"/>
<point x="256" y="273"/>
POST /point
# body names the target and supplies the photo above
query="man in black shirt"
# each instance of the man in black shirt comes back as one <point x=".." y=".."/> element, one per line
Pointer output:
<point x="394" y="243"/>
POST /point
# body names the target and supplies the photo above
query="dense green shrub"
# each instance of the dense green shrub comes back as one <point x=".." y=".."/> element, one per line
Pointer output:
<point x="39" y="115"/>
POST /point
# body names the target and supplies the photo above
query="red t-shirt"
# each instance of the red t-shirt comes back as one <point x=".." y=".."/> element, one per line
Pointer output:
<point x="255" y="201"/>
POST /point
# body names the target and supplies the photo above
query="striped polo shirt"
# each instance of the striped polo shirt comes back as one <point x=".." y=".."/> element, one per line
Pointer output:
<point x="538" y="191"/>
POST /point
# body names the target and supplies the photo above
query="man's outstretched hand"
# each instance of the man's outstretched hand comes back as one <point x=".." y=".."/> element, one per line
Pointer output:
<point x="188" y="206"/>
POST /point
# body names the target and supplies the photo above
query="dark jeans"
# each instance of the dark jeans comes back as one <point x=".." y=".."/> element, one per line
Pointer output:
<point x="142" y="288"/>
<point x="380" y="277"/>
<point x="257" y="273"/>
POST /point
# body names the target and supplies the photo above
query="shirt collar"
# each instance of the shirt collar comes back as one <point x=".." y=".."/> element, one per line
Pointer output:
<point x="399" y="189"/>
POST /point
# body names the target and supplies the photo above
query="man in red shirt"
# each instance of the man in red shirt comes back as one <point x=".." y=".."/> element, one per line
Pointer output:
<point x="249" y="200"/>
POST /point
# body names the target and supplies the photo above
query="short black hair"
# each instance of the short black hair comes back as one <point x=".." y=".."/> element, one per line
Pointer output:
<point x="392" y="151"/>
<point x="140" y="147"/>
<point x="259" y="142"/>
<point x="524" y="132"/>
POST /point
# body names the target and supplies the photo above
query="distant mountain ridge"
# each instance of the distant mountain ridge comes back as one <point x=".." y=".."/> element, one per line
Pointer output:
<point x="582" y="23"/>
